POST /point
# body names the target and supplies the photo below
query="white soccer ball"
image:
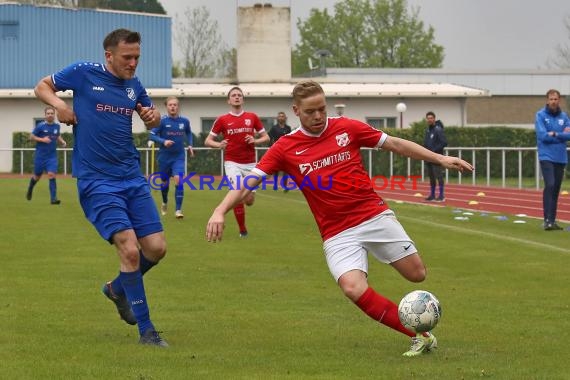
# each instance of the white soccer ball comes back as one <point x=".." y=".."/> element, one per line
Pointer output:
<point x="419" y="311"/>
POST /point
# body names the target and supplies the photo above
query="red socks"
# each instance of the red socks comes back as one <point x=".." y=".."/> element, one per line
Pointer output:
<point x="239" y="212"/>
<point x="382" y="310"/>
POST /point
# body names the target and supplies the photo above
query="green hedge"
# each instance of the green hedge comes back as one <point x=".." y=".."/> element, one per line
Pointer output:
<point x="208" y="161"/>
<point x="205" y="162"/>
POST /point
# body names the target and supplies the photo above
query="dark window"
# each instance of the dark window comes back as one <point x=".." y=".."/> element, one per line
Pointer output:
<point x="381" y="122"/>
<point x="9" y="30"/>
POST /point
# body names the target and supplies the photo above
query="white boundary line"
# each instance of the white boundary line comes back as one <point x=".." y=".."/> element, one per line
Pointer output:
<point x="456" y="228"/>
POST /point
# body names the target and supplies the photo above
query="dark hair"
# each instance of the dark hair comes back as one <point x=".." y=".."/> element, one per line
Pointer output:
<point x="306" y="89"/>
<point x="430" y="113"/>
<point x="235" y="88"/>
<point x="121" y="35"/>
<point x="552" y="91"/>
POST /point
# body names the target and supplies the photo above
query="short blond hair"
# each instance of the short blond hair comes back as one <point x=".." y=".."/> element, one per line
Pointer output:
<point x="171" y="98"/>
<point x="306" y="89"/>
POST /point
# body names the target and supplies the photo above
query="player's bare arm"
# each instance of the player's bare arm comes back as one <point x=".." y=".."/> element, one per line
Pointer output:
<point x="46" y="92"/>
<point x="262" y="138"/>
<point x="212" y="143"/>
<point x="215" y="226"/>
<point x="411" y="149"/>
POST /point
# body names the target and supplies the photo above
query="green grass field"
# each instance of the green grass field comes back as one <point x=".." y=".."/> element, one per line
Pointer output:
<point x="266" y="307"/>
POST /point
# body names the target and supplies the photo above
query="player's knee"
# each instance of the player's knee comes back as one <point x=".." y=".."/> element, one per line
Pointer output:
<point x="249" y="200"/>
<point x="418" y="274"/>
<point x="130" y="256"/>
<point x="352" y="289"/>
<point x="160" y="252"/>
<point x="157" y="250"/>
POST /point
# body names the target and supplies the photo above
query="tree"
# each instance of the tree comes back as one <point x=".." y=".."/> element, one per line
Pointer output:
<point x="147" y="6"/>
<point x="227" y="64"/>
<point x="367" y="33"/>
<point x="198" y="37"/>
<point x="561" y="59"/>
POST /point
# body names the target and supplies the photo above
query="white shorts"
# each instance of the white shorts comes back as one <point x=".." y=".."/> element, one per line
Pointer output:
<point x="382" y="236"/>
<point x="236" y="173"/>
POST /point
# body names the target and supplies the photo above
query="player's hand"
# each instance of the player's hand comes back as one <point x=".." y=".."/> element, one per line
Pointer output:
<point x="168" y="143"/>
<point x="191" y="151"/>
<point x="146" y="113"/>
<point x="456" y="163"/>
<point x="566" y="130"/>
<point x="46" y="140"/>
<point x="66" y="115"/>
<point x="215" y="228"/>
<point x="249" y="139"/>
<point x="223" y="144"/>
<point x="63" y="144"/>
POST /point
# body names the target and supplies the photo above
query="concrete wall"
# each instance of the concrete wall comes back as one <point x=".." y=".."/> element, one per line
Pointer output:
<point x="264" y="44"/>
<point x="506" y="110"/>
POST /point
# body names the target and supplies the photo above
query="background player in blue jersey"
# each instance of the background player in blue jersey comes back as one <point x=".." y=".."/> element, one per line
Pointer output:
<point x="172" y="134"/>
<point x="113" y="193"/>
<point x="46" y="135"/>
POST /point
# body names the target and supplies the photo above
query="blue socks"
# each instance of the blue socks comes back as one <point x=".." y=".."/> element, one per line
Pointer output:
<point x="144" y="266"/>
<point x="179" y="196"/>
<point x="164" y="192"/>
<point x="133" y="286"/>
<point x="52" y="189"/>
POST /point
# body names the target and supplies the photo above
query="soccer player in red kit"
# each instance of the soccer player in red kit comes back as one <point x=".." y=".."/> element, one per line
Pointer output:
<point x="323" y="158"/>
<point x="241" y="131"/>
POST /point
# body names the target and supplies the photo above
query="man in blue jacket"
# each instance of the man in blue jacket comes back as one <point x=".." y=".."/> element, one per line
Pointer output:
<point x="435" y="141"/>
<point x="552" y="128"/>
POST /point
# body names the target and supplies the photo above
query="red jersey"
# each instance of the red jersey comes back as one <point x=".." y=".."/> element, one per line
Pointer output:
<point x="328" y="170"/>
<point x="234" y="128"/>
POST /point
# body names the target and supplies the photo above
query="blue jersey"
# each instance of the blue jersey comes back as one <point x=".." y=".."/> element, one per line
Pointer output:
<point x="104" y="105"/>
<point x="552" y="148"/>
<point x="176" y="129"/>
<point x="46" y="150"/>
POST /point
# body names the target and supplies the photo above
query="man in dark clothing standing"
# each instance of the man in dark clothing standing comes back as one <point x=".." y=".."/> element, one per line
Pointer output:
<point x="435" y="141"/>
<point x="279" y="129"/>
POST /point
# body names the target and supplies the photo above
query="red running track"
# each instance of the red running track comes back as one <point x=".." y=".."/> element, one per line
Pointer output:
<point x="496" y="199"/>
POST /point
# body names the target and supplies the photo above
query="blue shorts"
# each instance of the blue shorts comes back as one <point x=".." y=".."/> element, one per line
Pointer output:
<point x="117" y="205"/>
<point x="171" y="168"/>
<point x="48" y="165"/>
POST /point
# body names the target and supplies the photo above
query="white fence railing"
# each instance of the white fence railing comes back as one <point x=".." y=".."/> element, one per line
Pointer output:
<point x="470" y="154"/>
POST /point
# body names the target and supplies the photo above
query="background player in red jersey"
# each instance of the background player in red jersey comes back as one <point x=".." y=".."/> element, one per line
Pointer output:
<point x="241" y="131"/>
<point x="352" y="218"/>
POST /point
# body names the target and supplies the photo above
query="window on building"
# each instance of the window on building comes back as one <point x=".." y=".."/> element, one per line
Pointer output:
<point x="207" y="123"/>
<point x="382" y="122"/>
<point x="9" y="30"/>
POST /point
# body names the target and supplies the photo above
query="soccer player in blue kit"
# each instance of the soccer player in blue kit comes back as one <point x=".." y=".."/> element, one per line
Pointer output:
<point x="113" y="193"/>
<point x="46" y="135"/>
<point x="173" y="132"/>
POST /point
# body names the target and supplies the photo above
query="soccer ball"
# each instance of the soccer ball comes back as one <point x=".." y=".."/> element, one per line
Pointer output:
<point x="419" y="311"/>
